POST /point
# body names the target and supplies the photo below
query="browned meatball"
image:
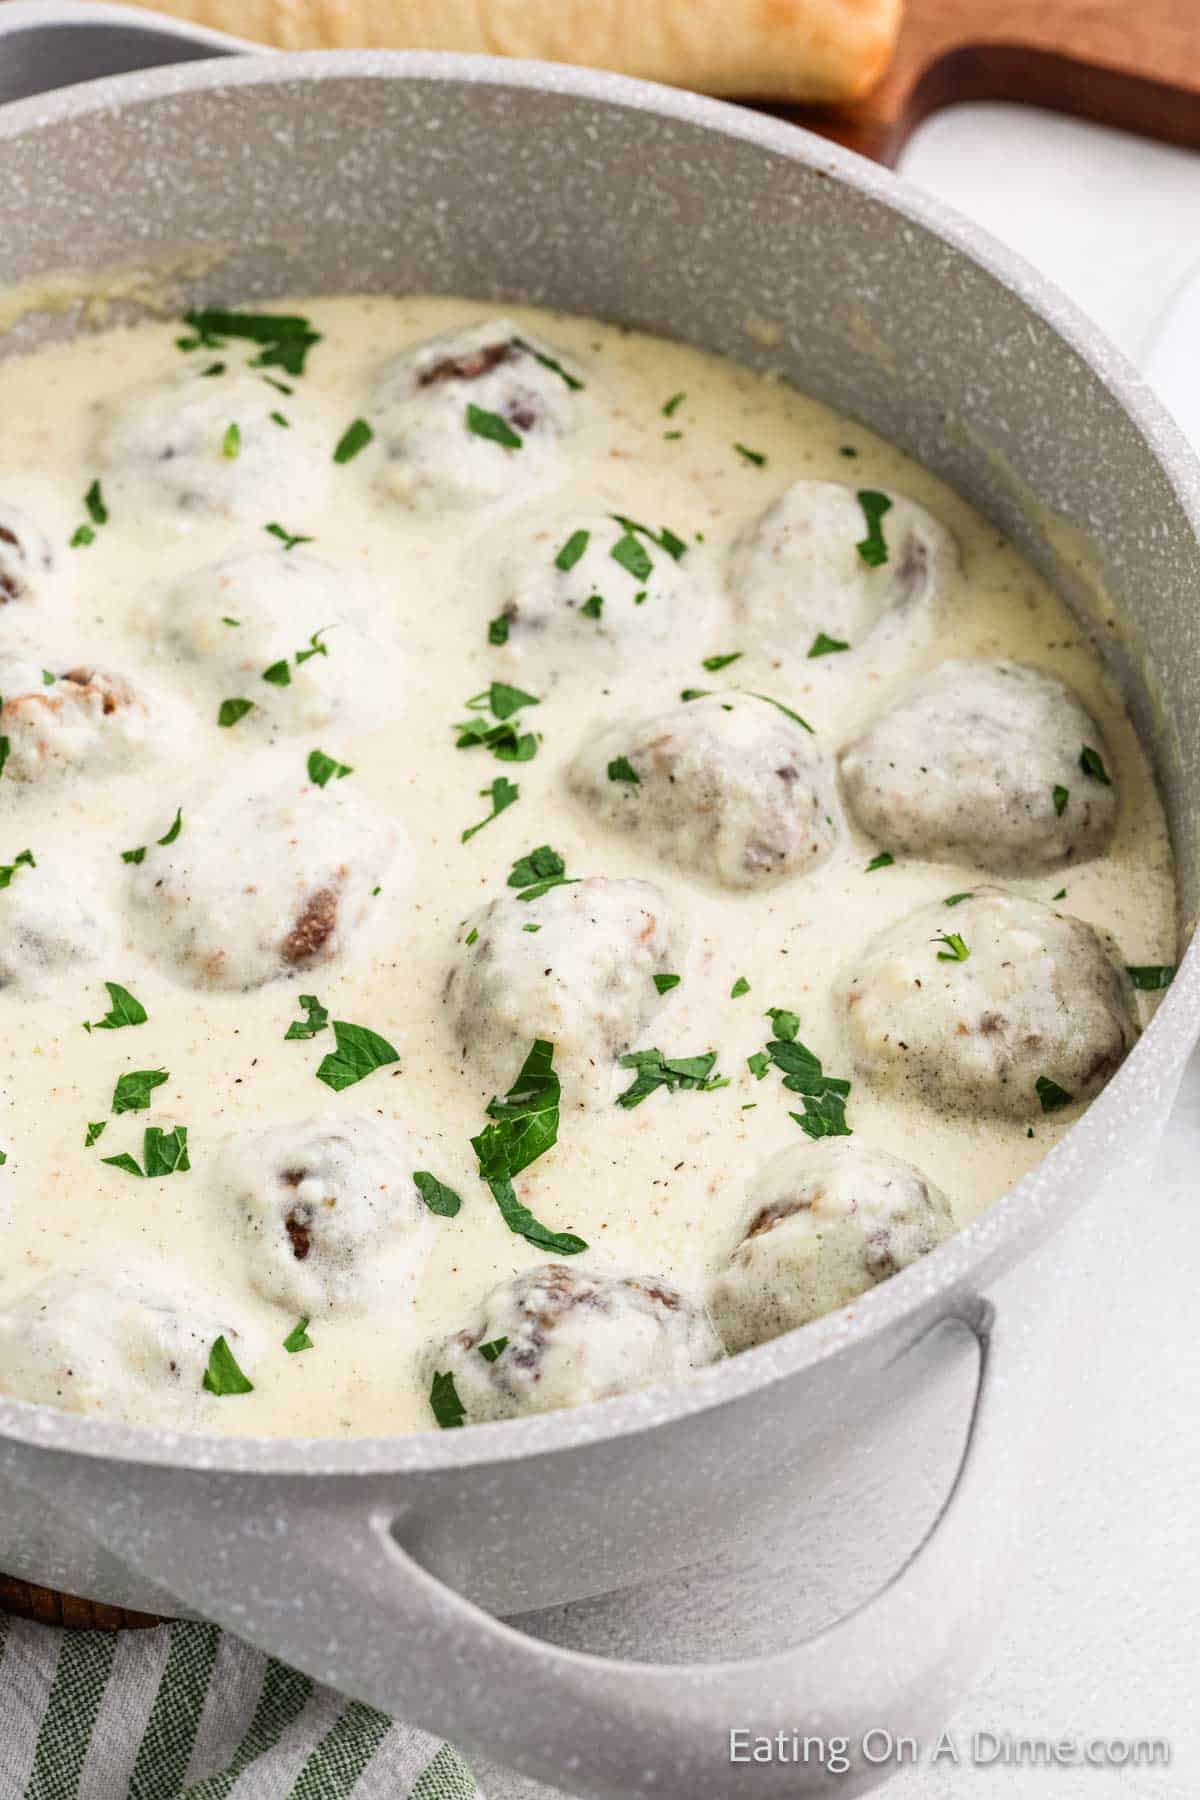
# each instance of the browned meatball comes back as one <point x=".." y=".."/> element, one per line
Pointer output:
<point x="556" y="1336"/>
<point x="79" y="719"/>
<point x="25" y="556"/>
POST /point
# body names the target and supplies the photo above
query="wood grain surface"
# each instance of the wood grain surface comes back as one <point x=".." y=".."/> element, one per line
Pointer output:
<point x="1129" y="63"/>
<point x="46" y="1607"/>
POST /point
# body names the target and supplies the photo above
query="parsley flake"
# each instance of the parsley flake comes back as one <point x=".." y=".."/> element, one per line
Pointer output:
<point x="633" y="556"/>
<point x="231" y="443"/>
<point x="24" y="860"/>
<point x="572" y="550"/>
<point x="621" y="769"/>
<point x="538" y="872"/>
<point x="713" y="663"/>
<point x="444" y="1402"/>
<point x="592" y="607"/>
<point x="491" y="426"/>
<point x="230" y="711"/>
<point x="822" y="645"/>
<point x="286" y="339"/>
<point x="673" y="404"/>
<point x="692" y="1074"/>
<point x="316" y="1019"/>
<point x="359" y="1053"/>
<point x="523" y="1126"/>
<point x="885" y="860"/>
<point x="664" y="983"/>
<point x="289" y="539"/>
<point x="1061" y="795"/>
<point x="123" y="1010"/>
<point x="439" y="1198"/>
<point x="1092" y="763"/>
<point x="741" y="986"/>
<point x="163" y="1152"/>
<point x="1150" y="978"/>
<point x="223" y="1376"/>
<point x="95" y="1130"/>
<point x="1052" y="1097"/>
<point x="297" y="1338"/>
<point x="955" y="951"/>
<point x="323" y="769"/>
<point x="873" y="548"/>
<point x="356" y="437"/>
<point x="134" y="1088"/>
<point x="490" y="1352"/>
<point x="751" y="456"/>
<point x="498" y="629"/>
<point x="503" y="793"/>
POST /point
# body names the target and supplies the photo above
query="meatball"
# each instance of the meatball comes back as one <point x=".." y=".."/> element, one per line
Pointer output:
<point x="984" y="763"/>
<point x="208" y="448"/>
<point x="728" y="786"/>
<point x="121" y="1346"/>
<point x="25" y="557"/>
<point x="584" y="978"/>
<point x="321" y="1204"/>
<point x="993" y="1004"/>
<point x="827" y="1222"/>
<point x="80" y="720"/>
<point x="584" y="581"/>
<point x="282" y="627"/>
<point x="800" y="569"/>
<point x="47" y="923"/>
<point x="556" y="1336"/>
<point x="472" y="416"/>
<point x="263" y="883"/>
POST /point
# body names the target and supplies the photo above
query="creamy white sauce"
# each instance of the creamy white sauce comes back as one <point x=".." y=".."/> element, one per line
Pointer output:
<point x="659" y="1189"/>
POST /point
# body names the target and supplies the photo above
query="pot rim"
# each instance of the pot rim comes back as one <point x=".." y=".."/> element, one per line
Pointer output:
<point x="1021" y="1217"/>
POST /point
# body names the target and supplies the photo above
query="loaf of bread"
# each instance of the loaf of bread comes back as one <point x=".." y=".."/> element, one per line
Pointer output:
<point x="793" y="50"/>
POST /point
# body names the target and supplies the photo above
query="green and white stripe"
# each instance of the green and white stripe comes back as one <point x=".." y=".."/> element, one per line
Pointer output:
<point x="182" y="1712"/>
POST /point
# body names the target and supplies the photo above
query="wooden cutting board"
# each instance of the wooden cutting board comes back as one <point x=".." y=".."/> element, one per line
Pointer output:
<point x="1129" y="63"/>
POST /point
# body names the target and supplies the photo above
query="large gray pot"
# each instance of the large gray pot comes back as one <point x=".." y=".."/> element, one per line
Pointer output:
<point x="371" y="1564"/>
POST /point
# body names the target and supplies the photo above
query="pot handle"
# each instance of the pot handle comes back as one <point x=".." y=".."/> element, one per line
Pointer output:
<point x="893" y="1668"/>
<point x="45" y="46"/>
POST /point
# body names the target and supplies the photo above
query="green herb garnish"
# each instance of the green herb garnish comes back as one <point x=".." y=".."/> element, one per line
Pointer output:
<point x="1151" y="978"/>
<point x="713" y="663"/>
<point x="231" y="443"/>
<point x="1052" y="1097"/>
<point x="123" y="1010"/>
<point x="356" y="437"/>
<point x="289" y="539"/>
<point x="621" y="769"/>
<point x="692" y="1074"/>
<point x="223" y="1376"/>
<point x="751" y="456"/>
<point x="359" y="1053"/>
<point x="885" y="860"/>
<point x="439" y="1198"/>
<point x="490" y="1352"/>
<point x="498" y="629"/>
<point x="873" y="548"/>
<point x="95" y="1130"/>
<point x="955" y="951"/>
<point x="523" y="1126"/>
<point x="673" y="404"/>
<point x="444" y="1402"/>
<point x="502" y="793"/>
<point x="286" y="339"/>
<point x="316" y="1019"/>
<point x="1092" y="763"/>
<point x="134" y="1088"/>
<point x="323" y="769"/>
<point x="538" y="872"/>
<point x="230" y="711"/>
<point x="297" y="1338"/>
<point x="741" y="986"/>
<point x="23" y="860"/>
<point x="826" y="646"/>
<point x="592" y="607"/>
<point x="1061" y="796"/>
<point x="572" y="550"/>
<point x="491" y="426"/>
<point x="664" y="983"/>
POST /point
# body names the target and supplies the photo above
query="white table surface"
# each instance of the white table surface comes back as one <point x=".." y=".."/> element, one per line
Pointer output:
<point x="1102" y="1635"/>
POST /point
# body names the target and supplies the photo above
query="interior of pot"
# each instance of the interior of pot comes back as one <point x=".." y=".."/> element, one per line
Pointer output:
<point x="658" y="210"/>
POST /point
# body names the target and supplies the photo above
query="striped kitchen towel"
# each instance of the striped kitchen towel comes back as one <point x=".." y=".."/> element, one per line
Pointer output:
<point x="184" y="1712"/>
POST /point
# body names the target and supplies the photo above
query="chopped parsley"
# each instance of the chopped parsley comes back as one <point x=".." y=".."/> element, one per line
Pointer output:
<point x="822" y="645"/>
<point x="1092" y="763"/>
<point x="96" y="1129"/>
<point x="316" y="1018"/>
<point x="502" y="793"/>
<point x="741" y="986"/>
<point x="173" y="830"/>
<point x="134" y="1088"/>
<point x="491" y="426"/>
<point x="286" y="338"/>
<point x="1150" y="977"/>
<point x="23" y="860"/>
<point x="80" y="537"/>
<point x="847" y="450"/>
<point x="1061" y="796"/>
<point x="1061" y="894"/>
<point x="692" y="1074"/>
<point x="277" y="418"/>
<point x="498" y="629"/>
<point x="123" y="1010"/>
<point x="279" y="674"/>
<point x="490" y="1352"/>
<point x="297" y="1338"/>
<point x="592" y="607"/>
<point x="223" y="1376"/>
<point x="758" y="1064"/>
<point x="873" y="548"/>
<point x="359" y="1053"/>
<point x="633" y="556"/>
<point x="163" y="1152"/>
<point x="439" y="1198"/>
<point x="672" y="405"/>
<point x="621" y="769"/>
<point x="885" y="860"/>
<point x="713" y="663"/>
<point x="356" y="437"/>
<point x="786" y="710"/>
<point x="444" y="1402"/>
<point x="552" y="363"/>
<point x="956" y="899"/>
<point x="664" y="537"/>
<point x="751" y="456"/>
<point x="664" y="983"/>
<point x="5" y="747"/>
<point x="824" y="1095"/>
<point x="497" y="733"/>
<point x="523" y="1126"/>
<point x="231" y="443"/>
<point x="230" y="711"/>
<point x="955" y="951"/>
<point x="289" y="539"/>
<point x="538" y="872"/>
<point x="97" y="512"/>
<point x="572" y="550"/>
<point x="1052" y="1097"/>
<point x="323" y="769"/>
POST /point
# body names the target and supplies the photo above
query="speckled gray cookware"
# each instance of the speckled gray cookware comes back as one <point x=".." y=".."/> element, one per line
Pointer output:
<point x="370" y="1564"/>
